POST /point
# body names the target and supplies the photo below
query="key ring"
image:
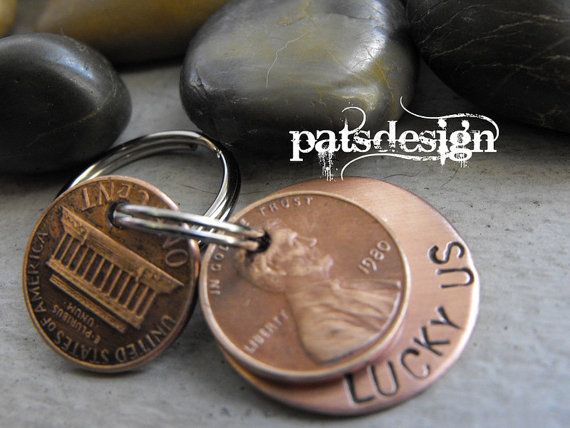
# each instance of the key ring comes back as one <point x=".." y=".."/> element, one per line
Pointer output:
<point x="125" y="215"/>
<point x="153" y="219"/>
<point x="165" y="142"/>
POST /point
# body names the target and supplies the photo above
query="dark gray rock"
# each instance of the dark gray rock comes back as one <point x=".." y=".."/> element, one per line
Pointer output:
<point x="61" y="103"/>
<point x="509" y="56"/>
<point x="261" y="68"/>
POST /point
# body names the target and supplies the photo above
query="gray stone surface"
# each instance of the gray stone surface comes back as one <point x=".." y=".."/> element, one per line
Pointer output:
<point x="511" y="207"/>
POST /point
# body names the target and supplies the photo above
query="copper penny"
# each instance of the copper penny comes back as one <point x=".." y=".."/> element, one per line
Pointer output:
<point x="326" y="297"/>
<point x="442" y="309"/>
<point x="105" y="298"/>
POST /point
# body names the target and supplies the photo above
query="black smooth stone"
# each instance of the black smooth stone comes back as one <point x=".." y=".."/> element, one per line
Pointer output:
<point x="508" y="56"/>
<point x="259" y="69"/>
<point x="61" y="103"/>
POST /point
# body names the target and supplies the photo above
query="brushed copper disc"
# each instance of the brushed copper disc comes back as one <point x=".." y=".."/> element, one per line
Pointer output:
<point x="441" y="314"/>
<point x="325" y="298"/>
<point x="105" y="298"/>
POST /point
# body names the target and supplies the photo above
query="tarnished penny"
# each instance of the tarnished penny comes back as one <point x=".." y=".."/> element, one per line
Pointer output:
<point x="326" y="297"/>
<point x="442" y="309"/>
<point x="105" y="298"/>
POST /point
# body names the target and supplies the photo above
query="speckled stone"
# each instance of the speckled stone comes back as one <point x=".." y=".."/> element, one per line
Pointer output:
<point x="511" y="57"/>
<point x="61" y="103"/>
<point x="261" y="68"/>
<point x="7" y="15"/>
<point x="129" y="30"/>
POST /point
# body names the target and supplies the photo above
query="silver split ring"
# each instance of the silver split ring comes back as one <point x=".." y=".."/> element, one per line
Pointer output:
<point x="156" y="220"/>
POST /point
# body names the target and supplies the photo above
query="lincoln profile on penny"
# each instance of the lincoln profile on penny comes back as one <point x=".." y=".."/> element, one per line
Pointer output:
<point x="335" y="317"/>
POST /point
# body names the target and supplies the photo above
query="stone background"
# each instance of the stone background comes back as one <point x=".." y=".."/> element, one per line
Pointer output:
<point x="512" y="208"/>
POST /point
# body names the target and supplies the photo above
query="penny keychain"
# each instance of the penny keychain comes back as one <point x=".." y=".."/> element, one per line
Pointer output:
<point x="103" y="297"/>
<point x="339" y="298"/>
